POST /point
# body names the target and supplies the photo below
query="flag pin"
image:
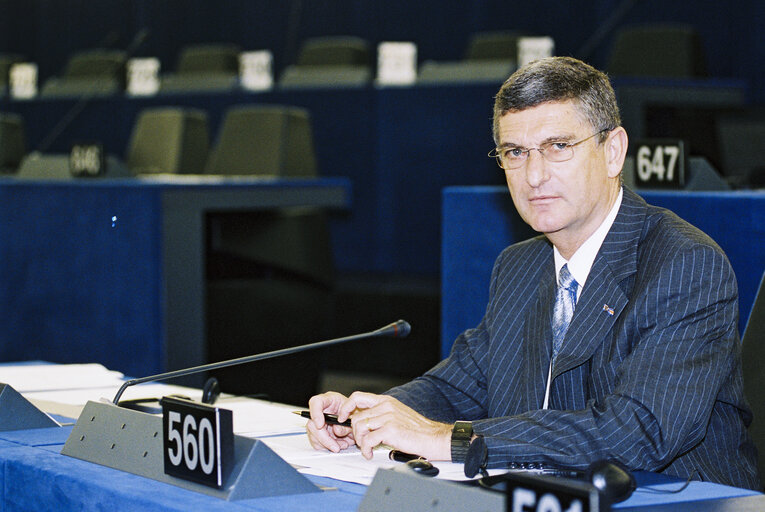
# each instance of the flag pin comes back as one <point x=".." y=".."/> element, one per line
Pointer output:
<point x="608" y="310"/>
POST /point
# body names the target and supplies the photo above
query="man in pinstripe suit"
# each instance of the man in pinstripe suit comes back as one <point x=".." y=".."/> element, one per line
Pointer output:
<point x="638" y="361"/>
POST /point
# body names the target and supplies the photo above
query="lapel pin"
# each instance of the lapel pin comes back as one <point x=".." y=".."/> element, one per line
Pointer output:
<point x="608" y="310"/>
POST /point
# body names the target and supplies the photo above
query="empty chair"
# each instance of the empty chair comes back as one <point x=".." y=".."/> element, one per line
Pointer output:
<point x="740" y="137"/>
<point x="12" y="142"/>
<point x="264" y="140"/>
<point x="92" y="72"/>
<point x="500" y="45"/>
<point x="490" y="57"/>
<point x="330" y="61"/>
<point x="270" y="274"/>
<point x="667" y="51"/>
<point x="334" y="51"/>
<point x="294" y="77"/>
<point x="204" y="67"/>
<point x="269" y="286"/>
<point x="753" y="355"/>
<point x="169" y="140"/>
<point x="492" y="71"/>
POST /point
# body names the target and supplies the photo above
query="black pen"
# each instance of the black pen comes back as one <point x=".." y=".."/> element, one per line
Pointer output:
<point x="329" y="419"/>
<point x="400" y="456"/>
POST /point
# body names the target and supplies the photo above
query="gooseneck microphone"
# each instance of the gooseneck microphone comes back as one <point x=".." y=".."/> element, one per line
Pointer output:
<point x="398" y="329"/>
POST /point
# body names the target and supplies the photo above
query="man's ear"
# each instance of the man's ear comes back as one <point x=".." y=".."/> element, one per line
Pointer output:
<point x="616" y="151"/>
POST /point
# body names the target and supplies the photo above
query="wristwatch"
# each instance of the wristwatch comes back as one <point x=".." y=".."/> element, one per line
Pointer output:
<point x="462" y="432"/>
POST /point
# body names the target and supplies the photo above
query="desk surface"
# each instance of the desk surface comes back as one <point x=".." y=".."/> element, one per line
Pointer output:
<point x="35" y="476"/>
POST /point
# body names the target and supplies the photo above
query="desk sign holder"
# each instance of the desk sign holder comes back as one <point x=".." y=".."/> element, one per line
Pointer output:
<point x="23" y="80"/>
<point x="256" y="70"/>
<point x="394" y="490"/>
<point x="143" y="76"/>
<point x="534" y="48"/>
<point x="396" y="63"/>
<point x="18" y="413"/>
<point x="131" y="441"/>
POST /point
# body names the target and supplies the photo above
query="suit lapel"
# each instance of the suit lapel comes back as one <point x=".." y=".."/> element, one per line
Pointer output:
<point x="605" y="292"/>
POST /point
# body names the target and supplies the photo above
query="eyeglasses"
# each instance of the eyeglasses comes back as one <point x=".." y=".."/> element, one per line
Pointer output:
<point x="512" y="157"/>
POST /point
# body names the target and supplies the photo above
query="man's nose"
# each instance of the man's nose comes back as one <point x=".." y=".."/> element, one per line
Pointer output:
<point x="536" y="168"/>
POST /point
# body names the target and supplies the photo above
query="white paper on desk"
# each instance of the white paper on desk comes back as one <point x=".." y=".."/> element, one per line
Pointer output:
<point x="259" y="418"/>
<point x="83" y="396"/>
<point x="43" y="377"/>
<point x="348" y="465"/>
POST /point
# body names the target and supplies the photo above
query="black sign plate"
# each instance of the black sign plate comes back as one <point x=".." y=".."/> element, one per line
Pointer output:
<point x="198" y="441"/>
<point x="659" y="163"/>
<point x="87" y="160"/>
<point x="527" y="492"/>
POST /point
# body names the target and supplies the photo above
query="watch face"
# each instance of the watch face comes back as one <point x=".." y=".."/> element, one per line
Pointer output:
<point x="462" y="430"/>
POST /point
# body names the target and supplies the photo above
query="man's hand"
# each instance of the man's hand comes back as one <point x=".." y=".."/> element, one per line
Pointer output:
<point x="331" y="437"/>
<point x="381" y="419"/>
<point x="376" y="419"/>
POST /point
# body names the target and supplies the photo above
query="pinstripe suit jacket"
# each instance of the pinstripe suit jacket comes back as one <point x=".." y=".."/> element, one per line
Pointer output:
<point x="650" y="369"/>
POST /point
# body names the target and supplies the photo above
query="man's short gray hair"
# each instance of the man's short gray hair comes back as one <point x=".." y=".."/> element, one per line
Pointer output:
<point x="560" y="79"/>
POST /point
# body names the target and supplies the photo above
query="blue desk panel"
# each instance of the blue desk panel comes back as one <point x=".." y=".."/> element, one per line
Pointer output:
<point x="113" y="271"/>
<point x="76" y="285"/>
<point x="478" y="222"/>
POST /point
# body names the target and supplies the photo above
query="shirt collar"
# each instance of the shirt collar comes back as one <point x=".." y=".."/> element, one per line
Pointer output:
<point x="581" y="262"/>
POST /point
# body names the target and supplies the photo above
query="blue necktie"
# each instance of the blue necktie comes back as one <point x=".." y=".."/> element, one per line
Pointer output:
<point x="565" y="300"/>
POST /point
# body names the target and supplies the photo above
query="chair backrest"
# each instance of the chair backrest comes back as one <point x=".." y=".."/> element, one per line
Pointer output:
<point x="264" y="140"/>
<point x="334" y="51"/>
<point x="169" y="140"/>
<point x="293" y="242"/>
<point x="294" y="77"/>
<point x="740" y="139"/>
<point x="670" y="51"/>
<point x="501" y="45"/>
<point x="12" y="142"/>
<point x="753" y="355"/>
<point x="333" y="61"/>
<point x="96" y="63"/>
<point x="92" y="72"/>
<point x="204" y="68"/>
<point x="469" y="71"/>
<point x="209" y="58"/>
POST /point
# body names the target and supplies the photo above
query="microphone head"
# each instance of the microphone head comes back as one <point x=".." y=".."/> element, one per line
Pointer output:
<point x="401" y="329"/>
<point x="398" y="329"/>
